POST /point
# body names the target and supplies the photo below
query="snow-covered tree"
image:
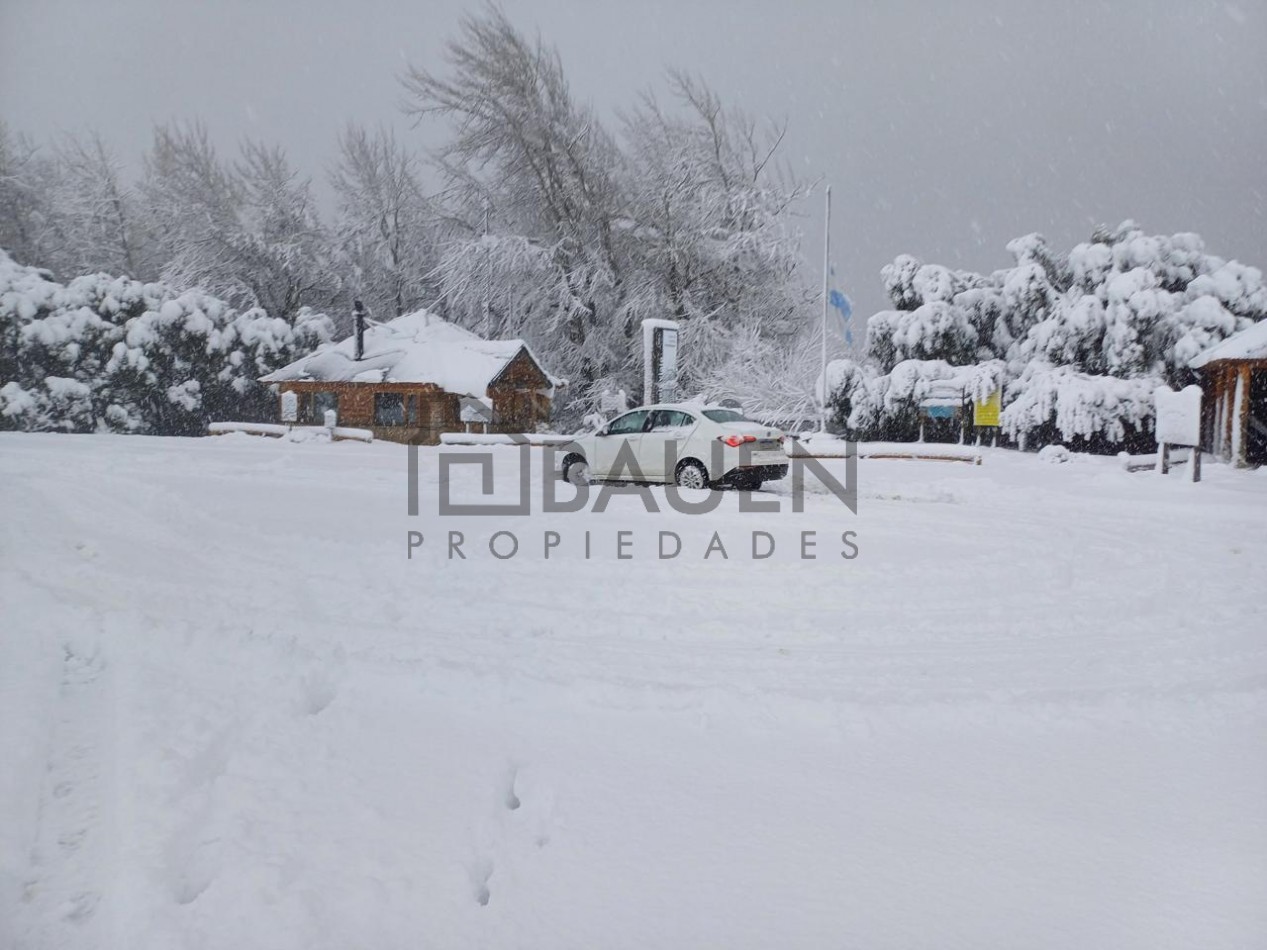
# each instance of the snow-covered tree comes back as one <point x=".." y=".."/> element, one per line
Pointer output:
<point x="524" y="159"/>
<point x="25" y="180"/>
<point x="384" y="230"/>
<point x="245" y="232"/>
<point x="113" y="353"/>
<point x="708" y="236"/>
<point x="899" y="282"/>
<point x="1107" y="410"/>
<point x="1115" y="317"/>
<point x="560" y="231"/>
<point x="770" y="377"/>
<point x="191" y="201"/>
<point x="932" y="331"/>
<point x="283" y="251"/>
<point x="192" y="359"/>
<point x="93" y="213"/>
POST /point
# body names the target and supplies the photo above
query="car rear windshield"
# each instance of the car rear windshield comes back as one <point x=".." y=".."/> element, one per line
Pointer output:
<point x="725" y="415"/>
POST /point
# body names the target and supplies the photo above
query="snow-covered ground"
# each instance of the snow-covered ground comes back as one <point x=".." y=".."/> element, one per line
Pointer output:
<point x="1032" y="712"/>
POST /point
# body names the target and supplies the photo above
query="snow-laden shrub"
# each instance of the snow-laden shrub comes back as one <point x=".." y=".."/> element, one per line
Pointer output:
<point x="106" y="352"/>
<point x="1077" y="405"/>
<point x="936" y="330"/>
<point x="1126" y="309"/>
<point x="886" y="407"/>
<point x="899" y="282"/>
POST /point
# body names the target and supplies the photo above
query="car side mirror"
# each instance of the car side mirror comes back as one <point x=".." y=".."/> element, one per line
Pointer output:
<point x="602" y="431"/>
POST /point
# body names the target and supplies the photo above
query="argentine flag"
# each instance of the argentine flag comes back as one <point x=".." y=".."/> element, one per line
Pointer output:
<point x="841" y="303"/>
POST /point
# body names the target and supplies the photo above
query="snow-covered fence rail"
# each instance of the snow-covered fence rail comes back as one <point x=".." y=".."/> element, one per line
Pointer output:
<point x="1150" y="462"/>
<point x="832" y="448"/>
<point x="271" y="430"/>
<point x="498" y="438"/>
<point x="274" y="431"/>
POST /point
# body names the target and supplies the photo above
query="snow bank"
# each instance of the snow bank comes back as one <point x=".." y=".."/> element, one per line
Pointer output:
<point x="279" y="431"/>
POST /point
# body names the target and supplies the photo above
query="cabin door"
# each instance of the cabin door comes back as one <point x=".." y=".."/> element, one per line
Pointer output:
<point x="1256" y="431"/>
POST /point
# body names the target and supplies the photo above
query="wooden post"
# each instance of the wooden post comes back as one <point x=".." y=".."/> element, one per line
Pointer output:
<point x="1196" y="463"/>
<point x="1163" y="458"/>
<point x="1241" y="440"/>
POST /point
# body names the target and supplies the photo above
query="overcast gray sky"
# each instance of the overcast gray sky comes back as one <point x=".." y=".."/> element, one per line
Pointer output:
<point x="945" y="129"/>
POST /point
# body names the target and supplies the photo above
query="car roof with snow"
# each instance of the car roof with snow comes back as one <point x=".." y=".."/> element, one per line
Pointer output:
<point x="418" y="347"/>
<point x="694" y="408"/>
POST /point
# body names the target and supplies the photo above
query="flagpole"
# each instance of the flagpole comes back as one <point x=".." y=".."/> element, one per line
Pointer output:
<point x="822" y="416"/>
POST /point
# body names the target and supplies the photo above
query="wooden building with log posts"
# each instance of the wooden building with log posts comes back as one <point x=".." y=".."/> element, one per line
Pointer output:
<point x="415" y="377"/>
<point x="1234" y="397"/>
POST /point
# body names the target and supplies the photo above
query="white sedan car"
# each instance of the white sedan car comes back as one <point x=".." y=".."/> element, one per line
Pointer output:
<point x="689" y="445"/>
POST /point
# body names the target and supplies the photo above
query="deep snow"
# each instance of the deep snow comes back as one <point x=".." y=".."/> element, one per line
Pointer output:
<point x="1031" y="713"/>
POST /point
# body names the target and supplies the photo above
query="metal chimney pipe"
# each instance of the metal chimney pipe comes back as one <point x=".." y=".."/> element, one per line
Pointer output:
<point x="358" y="313"/>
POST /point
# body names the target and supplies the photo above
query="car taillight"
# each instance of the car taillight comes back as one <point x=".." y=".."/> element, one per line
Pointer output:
<point x="736" y="440"/>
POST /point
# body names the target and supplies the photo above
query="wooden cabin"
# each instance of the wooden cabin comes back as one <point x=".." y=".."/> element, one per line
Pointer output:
<point x="415" y="377"/>
<point x="1234" y="397"/>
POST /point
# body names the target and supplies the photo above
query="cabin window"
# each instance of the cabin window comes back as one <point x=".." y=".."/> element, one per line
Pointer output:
<point x="411" y="410"/>
<point x="389" y="409"/>
<point x="321" y="402"/>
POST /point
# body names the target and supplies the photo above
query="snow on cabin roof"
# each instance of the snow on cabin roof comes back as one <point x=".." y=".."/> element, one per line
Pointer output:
<point x="415" y="348"/>
<point x="1249" y="344"/>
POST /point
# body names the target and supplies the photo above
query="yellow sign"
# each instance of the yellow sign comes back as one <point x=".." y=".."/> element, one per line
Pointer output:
<point x="987" y="413"/>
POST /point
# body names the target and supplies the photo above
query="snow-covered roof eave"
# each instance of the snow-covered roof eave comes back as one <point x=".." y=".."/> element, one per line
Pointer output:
<point x="1249" y="344"/>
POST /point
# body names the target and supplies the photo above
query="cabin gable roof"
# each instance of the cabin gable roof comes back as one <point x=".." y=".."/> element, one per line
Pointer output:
<point x="416" y="348"/>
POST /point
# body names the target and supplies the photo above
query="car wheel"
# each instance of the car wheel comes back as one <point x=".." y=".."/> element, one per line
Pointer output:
<point x="691" y="474"/>
<point x="576" y="470"/>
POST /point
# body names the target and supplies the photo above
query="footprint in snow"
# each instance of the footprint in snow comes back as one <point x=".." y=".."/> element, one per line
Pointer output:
<point x="511" y="799"/>
<point x="318" y="692"/>
<point x="80" y="907"/>
<point x="480" y="872"/>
